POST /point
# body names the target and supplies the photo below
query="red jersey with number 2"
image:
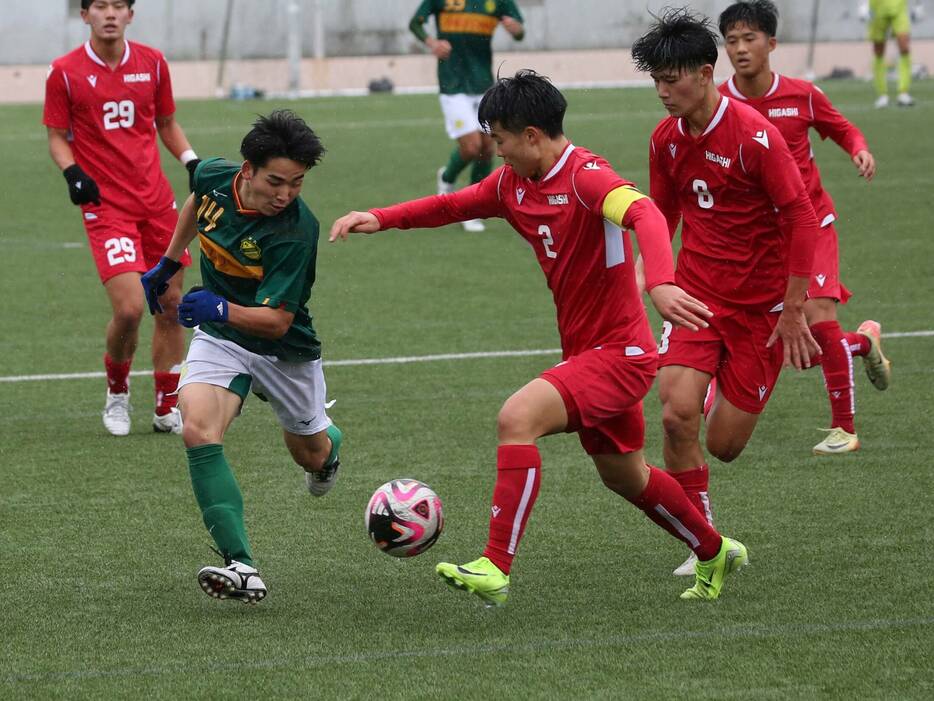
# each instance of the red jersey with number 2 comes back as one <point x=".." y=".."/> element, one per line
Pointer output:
<point x="730" y="184"/>
<point x="110" y="115"/>
<point x="587" y="260"/>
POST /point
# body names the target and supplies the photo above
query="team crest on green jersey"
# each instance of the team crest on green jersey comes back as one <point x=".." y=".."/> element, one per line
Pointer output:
<point x="490" y="6"/>
<point x="250" y="249"/>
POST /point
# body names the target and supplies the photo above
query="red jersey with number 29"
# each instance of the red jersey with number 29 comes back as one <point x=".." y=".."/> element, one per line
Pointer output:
<point x="110" y="115"/>
<point x="587" y="260"/>
<point x="729" y="184"/>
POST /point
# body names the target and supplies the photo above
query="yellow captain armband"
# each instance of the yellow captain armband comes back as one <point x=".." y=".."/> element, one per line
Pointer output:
<point x="617" y="203"/>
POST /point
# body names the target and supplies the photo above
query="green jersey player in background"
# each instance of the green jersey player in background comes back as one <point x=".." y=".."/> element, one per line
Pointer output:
<point x="463" y="46"/>
<point x="259" y="244"/>
<point x="893" y="16"/>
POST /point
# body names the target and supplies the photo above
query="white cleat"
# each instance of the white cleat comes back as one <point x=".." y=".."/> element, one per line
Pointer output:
<point x="168" y="423"/>
<point x="882" y="102"/>
<point x="836" y="442"/>
<point x="320" y="482"/>
<point x="116" y="414"/>
<point x="686" y="568"/>
<point x="474" y="226"/>
<point x="905" y="100"/>
<point x="878" y="367"/>
<point x="444" y="187"/>
<point x="235" y="581"/>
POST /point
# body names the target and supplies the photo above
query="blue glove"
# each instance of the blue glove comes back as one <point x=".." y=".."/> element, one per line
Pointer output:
<point x="156" y="281"/>
<point x="200" y="305"/>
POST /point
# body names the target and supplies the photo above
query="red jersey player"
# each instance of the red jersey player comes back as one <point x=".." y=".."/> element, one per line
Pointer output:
<point x="104" y="103"/>
<point x="795" y="107"/>
<point x="724" y="170"/>
<point x="574" y="211"/>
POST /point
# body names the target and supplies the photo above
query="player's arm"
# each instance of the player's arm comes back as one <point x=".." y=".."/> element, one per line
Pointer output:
<point x="81" y="187"/>
<point x="439" y="47"/>
<point x="779" y="176"/>
<point x="478" y="201"/>
<point x="173" y="136"/>
<point x="511" y="19"/>
<point x="630" y="209"/>
<point x="830" y="123"/>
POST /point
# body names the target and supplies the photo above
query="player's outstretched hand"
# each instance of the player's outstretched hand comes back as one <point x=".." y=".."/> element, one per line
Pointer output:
<point x="680" y="308"/>
<point x="865" y="164"/>
<point x="354" y="223"/>
<point x="799" y="345"/>
<point x="156" y="281"/>
<point x="81" y="187"/>
<point x="200" y="305"/>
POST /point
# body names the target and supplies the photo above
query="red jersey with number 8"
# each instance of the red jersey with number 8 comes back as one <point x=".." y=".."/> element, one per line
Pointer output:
<point x="110" y="115"/>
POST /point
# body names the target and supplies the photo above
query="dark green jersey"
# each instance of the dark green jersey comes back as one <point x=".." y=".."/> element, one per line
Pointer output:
<point x="468" y="25"/>
<point x="254" y="260"/>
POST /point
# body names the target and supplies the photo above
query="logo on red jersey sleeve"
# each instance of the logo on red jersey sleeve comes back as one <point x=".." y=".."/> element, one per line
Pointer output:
<point x="520" y="193"/>
<point x="673" y="148"/>
<point x="762" y="136"/>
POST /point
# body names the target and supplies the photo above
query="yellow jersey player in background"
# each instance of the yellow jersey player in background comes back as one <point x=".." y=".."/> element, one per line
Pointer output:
<point x="885" y="16"/>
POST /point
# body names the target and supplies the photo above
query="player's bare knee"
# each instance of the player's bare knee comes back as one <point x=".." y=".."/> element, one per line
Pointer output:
<point x="515" y="423"/>
<point x="679" y="422"/>
<point x="725" y="451"/>
<point x="127" y="315"/>
<point x="470" y="152"/>
<point x="195" y="432"/>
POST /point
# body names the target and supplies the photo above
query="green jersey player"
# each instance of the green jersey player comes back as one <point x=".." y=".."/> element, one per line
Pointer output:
<point x="252" y="328"/>
<point x="465" y="71"/>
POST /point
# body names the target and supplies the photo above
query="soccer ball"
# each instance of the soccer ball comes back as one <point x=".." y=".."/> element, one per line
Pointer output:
<point x="404" y="517"/>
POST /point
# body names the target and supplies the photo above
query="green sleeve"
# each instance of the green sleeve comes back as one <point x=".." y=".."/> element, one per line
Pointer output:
<point x="288" y="270"/>
<point x="417" y="23"/>
<point x="508" y="8"/>
<point x="200" y="174"/>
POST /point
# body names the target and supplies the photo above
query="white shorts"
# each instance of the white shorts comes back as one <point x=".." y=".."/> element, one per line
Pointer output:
<point x="460" y="114"/>
<point x="296" y="391"/>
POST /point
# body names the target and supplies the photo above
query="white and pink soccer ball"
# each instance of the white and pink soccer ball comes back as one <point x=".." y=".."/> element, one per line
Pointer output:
<point x="404" y="517"/>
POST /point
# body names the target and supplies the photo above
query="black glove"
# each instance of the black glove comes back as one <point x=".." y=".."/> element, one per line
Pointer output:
<point x="191" y="165"/>
<point x="81" y="187"/>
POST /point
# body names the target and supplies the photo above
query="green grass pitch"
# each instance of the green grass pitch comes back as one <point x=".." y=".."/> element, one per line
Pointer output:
<point x="100" y="538"/>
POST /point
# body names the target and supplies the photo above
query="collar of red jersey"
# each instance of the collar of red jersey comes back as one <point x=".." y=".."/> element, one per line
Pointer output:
<point x="560" y="163"/>
<point x="734" y="91"/>
<point x="99" y="61"/>
<point x="714" y="121"/>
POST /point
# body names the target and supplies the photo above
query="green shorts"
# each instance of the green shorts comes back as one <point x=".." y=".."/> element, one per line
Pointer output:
<point x="886" y="15"/>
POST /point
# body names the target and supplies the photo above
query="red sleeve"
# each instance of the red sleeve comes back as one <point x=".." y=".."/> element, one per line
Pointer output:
<point x="592" y="184"/>
<point x="830" y="123"/>
<point x="663" y="192"/>
<point x="654" y="243"/>
<point x="165" y="103"/>
<point x="766" y="155"/>
<point x="57" y="110"/>
<point x="479" y="201"/>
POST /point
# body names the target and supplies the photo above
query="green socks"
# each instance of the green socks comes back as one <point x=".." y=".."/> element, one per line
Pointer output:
<point x="221" y="503"/>
<point x="904" y="73"/>
<point x="455" y="166"/>
<point x="878" y="75"/>
<point x="337" y="437"/>
<point x="480" y="170"/>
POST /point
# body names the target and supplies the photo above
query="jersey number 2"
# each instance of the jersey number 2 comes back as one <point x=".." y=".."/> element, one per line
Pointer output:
<point x="547" y="240"/>
<point x="119" y="114"/>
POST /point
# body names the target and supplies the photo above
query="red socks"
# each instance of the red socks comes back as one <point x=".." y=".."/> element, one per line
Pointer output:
<point x="695" y="484"/>
<point x="518" y="476"/>
<point x="665" y="502"/>
<point x="166" y="384"/>
<point x="859" y="344"/>
<point x="118" y="375"/>
<point x="837" y="365"/>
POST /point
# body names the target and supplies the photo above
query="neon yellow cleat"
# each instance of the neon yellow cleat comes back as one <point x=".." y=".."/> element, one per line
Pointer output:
<point x="878" y="367"/>
<point x="836" y="442"/>
<point x="710" y="574"/>
<point x="480" y="577"/>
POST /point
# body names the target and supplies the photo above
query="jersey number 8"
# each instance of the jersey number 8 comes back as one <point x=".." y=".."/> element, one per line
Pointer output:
<point x="704" y="198"/>
<point x="119" y="114"/>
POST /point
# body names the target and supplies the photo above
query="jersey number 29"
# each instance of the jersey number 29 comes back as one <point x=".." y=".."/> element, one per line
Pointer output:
<point x="119" y="114"/>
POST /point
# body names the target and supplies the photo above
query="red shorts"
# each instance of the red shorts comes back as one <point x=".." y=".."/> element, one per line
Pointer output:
<point x="603" y="390"/>
<point x="122" y="245"/>
<point x="732" y="348"/>
<point x="825" y="282"/>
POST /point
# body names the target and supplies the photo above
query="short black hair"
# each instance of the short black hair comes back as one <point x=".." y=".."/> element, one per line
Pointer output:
<point x="283" y="134"/>
<point x="86" y="4"/>
<point x="678" y="40"/>
<point x="758" y="15"/>
<point x="525" y="100"/>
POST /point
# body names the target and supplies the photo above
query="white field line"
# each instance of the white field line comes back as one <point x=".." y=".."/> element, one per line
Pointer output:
<point x="398" y="360"/>
<point x="184" y="668"/>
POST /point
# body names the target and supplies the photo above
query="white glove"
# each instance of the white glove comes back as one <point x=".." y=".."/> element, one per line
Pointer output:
<point x="862" y="11"/>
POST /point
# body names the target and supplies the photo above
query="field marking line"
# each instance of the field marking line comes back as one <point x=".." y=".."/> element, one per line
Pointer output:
<point x="397" y="360"/>
<point x="185" y="668"/>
